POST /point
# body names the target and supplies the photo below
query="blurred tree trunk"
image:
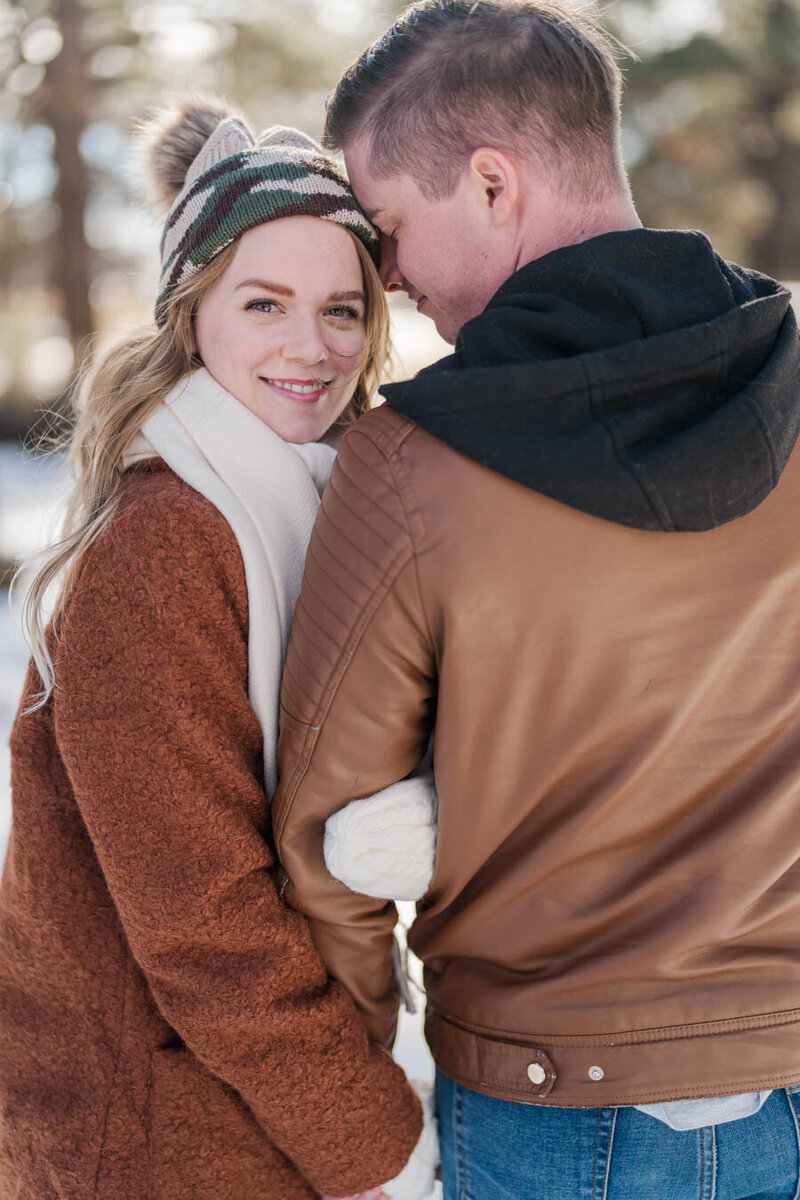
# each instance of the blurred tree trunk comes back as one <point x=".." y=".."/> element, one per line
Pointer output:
<point x="66" y="111"/>
<point x="779" y="164"/>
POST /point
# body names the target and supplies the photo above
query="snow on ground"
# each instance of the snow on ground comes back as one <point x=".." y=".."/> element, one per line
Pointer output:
<point x="32" y="491"/>
<point x="13" y="658"/>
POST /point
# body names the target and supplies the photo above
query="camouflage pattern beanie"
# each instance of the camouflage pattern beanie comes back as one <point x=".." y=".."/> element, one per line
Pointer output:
<point x="238" y="181"/>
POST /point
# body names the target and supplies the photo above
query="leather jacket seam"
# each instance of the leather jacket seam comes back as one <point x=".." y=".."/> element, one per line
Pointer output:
<point x="404" y="554"/>
<point x="632" y="1037"/>
<point x="338" y="673"/>
<point x="413" y="514"/>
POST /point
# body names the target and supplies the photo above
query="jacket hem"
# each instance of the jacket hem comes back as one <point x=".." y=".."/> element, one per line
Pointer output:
<point x="583" y="1072"/>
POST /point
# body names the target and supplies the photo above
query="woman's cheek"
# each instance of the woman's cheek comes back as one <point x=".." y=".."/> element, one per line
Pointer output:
<point x="349" y="344"/>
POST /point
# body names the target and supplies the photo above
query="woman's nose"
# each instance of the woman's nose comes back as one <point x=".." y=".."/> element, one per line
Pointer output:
<point x="305" y="342"/>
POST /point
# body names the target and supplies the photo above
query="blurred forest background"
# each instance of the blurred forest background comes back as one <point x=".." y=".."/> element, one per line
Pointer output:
<point x="712" y="138"/>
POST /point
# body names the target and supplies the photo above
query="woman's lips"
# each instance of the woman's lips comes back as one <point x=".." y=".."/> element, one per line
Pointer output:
<point x="300" y="391"/>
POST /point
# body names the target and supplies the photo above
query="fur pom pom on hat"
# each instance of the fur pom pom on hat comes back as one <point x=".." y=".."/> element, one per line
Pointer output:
<point x="170" y="139"/>
<point x="235" y="181"/>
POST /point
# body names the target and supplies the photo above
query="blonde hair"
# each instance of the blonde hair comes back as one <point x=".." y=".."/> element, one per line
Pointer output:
<point x="113" y="399"/>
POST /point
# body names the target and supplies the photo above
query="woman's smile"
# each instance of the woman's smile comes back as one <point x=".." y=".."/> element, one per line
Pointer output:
<point x="301" y="391"/>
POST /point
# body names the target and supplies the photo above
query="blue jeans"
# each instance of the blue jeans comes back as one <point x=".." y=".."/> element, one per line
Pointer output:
<point x="495" y="1150"/>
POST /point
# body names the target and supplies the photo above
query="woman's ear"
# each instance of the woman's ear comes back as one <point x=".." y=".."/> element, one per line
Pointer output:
<point x="495" y="178"/>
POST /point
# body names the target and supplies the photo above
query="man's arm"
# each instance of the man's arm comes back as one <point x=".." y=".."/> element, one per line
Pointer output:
<point x="357" y="701"/>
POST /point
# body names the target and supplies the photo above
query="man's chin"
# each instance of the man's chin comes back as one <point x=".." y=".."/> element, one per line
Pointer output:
<point x="446" y="327"/>
<point x="448" y="333"/>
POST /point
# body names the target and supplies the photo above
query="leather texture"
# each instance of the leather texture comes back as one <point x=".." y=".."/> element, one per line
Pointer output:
<point x="617" y="731"/>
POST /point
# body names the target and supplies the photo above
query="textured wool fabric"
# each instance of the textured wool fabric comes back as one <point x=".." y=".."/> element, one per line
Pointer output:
<point x="237" y="182"/>
<point x="268" y="490"/>
<point x="166" y="1028"/>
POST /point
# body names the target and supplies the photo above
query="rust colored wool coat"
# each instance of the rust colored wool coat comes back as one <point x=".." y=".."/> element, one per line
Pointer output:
<point x="167" y="1031"/>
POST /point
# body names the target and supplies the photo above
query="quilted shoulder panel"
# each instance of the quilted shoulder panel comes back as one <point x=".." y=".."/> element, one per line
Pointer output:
<point x="361" y="541"/>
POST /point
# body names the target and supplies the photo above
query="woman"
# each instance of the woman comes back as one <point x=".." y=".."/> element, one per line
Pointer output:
<point x="166" y="1028"/>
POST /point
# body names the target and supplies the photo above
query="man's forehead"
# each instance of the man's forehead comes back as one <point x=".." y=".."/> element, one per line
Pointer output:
<point x="356" y="155"/>
<point x="373" y="194"/>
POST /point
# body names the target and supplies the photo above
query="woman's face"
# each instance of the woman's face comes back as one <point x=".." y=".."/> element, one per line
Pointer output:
<point x="283" y="329"/>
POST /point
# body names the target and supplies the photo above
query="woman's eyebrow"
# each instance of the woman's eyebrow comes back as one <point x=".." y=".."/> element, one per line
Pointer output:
<point x="281" y="290"/>
<point x="266" y="285"/>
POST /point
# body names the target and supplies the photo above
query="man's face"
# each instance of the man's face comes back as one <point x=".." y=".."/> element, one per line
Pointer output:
<point x="439" y="251"/>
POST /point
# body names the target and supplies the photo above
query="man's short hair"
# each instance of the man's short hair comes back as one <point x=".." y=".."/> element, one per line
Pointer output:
<point x="535" y="78"/>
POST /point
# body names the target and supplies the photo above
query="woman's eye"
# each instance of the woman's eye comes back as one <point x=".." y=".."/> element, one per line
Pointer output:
<point x="344" y="312"/>
<point x="262" y="305"/>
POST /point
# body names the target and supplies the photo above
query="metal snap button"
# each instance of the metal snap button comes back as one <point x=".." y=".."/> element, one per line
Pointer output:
<point x="596" y="1073"/>
<point x="536" y="1073"/>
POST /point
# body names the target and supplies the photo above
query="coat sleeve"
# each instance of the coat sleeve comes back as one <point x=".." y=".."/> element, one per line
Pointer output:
<point x="162" y="750"/>
<point x="357" y="703"/>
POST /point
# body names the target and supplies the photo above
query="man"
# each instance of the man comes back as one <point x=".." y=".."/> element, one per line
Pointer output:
<point x="572" y="546"/>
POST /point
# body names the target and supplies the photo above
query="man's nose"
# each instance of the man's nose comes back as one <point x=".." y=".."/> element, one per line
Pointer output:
<point x="391" y="278"/>
<point x="305" y="341"/>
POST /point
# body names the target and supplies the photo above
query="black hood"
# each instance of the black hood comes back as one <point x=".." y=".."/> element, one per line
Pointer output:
<point x="637" y="376"/>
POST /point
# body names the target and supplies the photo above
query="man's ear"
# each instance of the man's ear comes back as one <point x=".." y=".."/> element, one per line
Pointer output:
<point x="495" y="178"/>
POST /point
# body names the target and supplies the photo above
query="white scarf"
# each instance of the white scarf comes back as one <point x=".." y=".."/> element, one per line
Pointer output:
<point x="268" y="491"/>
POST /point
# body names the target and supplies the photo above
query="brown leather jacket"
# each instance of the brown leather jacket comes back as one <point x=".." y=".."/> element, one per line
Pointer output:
<point x="615" y="908"/>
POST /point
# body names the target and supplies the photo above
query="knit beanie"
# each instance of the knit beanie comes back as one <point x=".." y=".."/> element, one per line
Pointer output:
<point x="237" y="182"/>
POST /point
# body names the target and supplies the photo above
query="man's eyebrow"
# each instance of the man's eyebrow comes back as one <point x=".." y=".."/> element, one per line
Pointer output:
<point x="279" y="288"/>
<point x="372" y="213"/>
